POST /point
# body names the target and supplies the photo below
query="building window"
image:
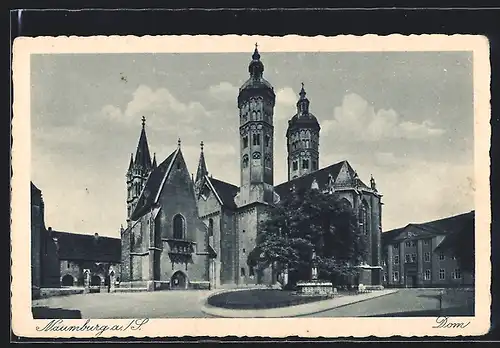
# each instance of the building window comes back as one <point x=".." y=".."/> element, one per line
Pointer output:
<point x="441" y="274"/>
<point x="267" y="140"/>
<point x="384" y="277"/>
<point x="413" y="243"/>
<point x="441" y="256"/>
<point x="295" y="165"/>
<point x="453" y="257"/>
<point x="396" y="259"/>
<point x="414" y="257"/>
<point x="314" y="165"/>
<point x="67" y="264"/>
<point x="267" y="161"/>
<point x="179" y="227"/>
<point x="256" y="139"/>
<point x="243" y="231"/>
<point x="178" y="165"/>
<point x="242" y="271"/>
<point x="245" y="142"/>
<point x="244" y="250"/>
<point x="245" y="161"/>
<point x="427" y="257"/>
<point x="408" y="244"/>
<point x="395" y="246"/>
<point x="427" y="274"/>
<point x="363" y="218"/>
<point x="427" y="241"/>
<point x="456" y="274"/>
<point x="395" y="276"/>
<point x="407" y="258"/>
<point x="305" y="164"/>
<point x="210" y="227"/>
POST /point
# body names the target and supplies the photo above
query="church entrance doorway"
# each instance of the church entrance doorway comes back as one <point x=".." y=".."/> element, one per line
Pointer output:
<point x="67" y="280"/>
<point x="178" y="281"/>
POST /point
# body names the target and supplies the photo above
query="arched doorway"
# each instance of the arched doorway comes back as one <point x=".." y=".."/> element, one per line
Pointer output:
<point x="95" y="280"/>
<point x="178" y="281"/>
<point x="67" y="280"/>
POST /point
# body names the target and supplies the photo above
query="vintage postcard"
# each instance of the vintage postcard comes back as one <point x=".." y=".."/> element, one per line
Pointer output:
<point x="251" y="186"/>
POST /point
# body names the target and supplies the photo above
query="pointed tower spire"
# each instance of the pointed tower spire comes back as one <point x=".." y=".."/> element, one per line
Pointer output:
<point x="131" y="164"/>
<point x="202" y="166"/>
<point x="256" y="68"/>
<point x="302" y="103"/>
<point x="142" y="155"/>
<point x="373" y="185"/>
<point x="154" y="165"/>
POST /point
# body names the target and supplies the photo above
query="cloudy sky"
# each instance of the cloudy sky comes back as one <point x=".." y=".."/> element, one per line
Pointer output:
<point x="405" y="117"/>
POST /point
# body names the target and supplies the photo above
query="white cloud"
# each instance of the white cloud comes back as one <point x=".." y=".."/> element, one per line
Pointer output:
<point x="357" y="119"/>
<point x="224" y="91"/>
<point x="161" y="108"/>
<point x="285" y="107"/>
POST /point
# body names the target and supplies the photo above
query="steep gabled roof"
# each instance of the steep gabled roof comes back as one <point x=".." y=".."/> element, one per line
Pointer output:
<point x="82" y="247"/>
<point x="153" y="186"/>
<point x="225" y="191"/>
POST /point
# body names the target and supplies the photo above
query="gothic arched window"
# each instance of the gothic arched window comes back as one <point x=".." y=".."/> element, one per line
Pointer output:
<point x="245" y="142"/>
<point x="179" y="227"/>
<point x="267" y="161"/>
<point x="305" y="164"/>
<point x="267" y="140"/>
<point x="210" y="227"/>
<point x="363" y="218"/>
<point x="256" y="139"/>
<point x="245" y="161"/>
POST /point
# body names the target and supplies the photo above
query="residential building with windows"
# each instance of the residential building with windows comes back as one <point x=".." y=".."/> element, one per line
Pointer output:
<point x="412" y="257"/>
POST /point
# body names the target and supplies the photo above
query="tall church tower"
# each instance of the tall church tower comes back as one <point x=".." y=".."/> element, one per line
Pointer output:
<point x="302" y="140"/>
<point x="256" y="107"/>
<point x="138" y="170"/>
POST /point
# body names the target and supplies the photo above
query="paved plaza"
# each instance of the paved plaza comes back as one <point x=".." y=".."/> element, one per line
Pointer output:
<point x="190" y="304"/>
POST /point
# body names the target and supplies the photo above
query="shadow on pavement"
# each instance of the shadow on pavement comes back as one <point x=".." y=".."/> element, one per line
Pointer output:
<point x="55" y="313"/>
<point x="459" y="311"/>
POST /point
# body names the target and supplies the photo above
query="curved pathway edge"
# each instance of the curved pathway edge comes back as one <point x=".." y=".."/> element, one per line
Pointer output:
<point x="294" y="311"/>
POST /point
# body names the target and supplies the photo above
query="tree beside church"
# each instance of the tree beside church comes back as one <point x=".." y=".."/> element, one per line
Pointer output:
<point x="311" y="222"/>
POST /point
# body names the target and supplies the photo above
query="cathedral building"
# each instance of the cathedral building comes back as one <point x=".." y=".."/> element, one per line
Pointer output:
<point x="185" y="232"/>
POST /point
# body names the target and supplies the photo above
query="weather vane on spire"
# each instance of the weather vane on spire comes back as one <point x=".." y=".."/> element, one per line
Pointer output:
<point x="143" y="121"/>
<point x="201" y="145"/>
<point x="256" y="45"/>
<point x="179" y="142"/>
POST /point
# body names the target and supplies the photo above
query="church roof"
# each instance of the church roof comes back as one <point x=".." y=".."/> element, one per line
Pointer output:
<point x="153" y="185"/>
<point x="445" y="226"/>
<point x="83" y="247"/>
<point x="462" y="236"/>
<point x="322" y="178"/>
<point x="225" y="191"/>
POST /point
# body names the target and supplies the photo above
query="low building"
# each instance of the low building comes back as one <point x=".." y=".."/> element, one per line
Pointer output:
<point x="80" y="252"/>
<point x="412" y="256"/>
